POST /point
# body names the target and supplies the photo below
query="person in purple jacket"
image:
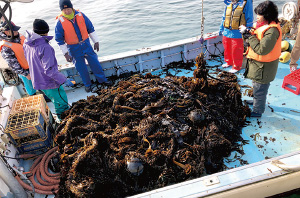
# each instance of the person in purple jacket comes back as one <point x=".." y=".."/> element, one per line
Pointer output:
<point x="43" y="66"/>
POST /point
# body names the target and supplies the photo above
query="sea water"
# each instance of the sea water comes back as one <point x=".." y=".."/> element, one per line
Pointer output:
<point x="130" y="24"/>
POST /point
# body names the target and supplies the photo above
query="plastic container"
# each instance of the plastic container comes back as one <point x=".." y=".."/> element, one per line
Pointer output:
<point x="36" y="102"/>
<point x="41" y="144"/>
<point x="291" y="82"/>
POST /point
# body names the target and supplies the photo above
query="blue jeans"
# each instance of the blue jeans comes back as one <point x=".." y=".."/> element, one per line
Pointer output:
<point x="28" y="85"/>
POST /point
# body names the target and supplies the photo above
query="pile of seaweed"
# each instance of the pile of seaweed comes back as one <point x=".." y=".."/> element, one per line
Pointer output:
<point x="149" y="132"/>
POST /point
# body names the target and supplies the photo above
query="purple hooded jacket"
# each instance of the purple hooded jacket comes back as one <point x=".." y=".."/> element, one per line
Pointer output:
<point x="42" y="63"/>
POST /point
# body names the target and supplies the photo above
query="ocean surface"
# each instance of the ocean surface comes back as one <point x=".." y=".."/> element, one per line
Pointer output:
<point x="130" y="24"/>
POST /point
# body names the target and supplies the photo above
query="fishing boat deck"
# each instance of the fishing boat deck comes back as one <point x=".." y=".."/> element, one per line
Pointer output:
<point x="276" y="135"/>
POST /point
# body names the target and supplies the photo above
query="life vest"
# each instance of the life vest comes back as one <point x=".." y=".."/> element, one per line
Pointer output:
<point x="275" y="53"/>
<point x="69" y="31"/>
<point x="235" y="19"/>
<point x="17" y="48"/>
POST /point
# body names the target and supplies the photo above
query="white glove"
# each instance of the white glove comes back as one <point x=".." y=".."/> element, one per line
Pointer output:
<point x="243" y="29"/>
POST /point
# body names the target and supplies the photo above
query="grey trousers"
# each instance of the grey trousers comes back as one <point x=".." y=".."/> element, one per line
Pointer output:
<point x="260" y="92"/>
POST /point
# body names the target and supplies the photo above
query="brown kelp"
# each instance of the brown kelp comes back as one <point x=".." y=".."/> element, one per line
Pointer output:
<point x="149" y="132"/>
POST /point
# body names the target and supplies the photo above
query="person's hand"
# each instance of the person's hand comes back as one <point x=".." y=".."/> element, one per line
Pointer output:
<point x="69" y="82"/>
<point x="28" y="77"/>
<point x="220" y="33"/>
<point x="96" y="46"/>
<point x="245" y="31"/>
<point x="68" y="57"/>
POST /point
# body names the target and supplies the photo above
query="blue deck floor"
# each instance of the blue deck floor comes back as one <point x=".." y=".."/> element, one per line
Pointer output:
<point x="277" y="132"/>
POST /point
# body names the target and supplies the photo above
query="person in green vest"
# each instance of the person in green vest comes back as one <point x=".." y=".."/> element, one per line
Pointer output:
<point x="263" y="53"/>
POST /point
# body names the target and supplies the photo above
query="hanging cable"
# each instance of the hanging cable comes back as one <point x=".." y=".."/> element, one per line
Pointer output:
<point x="202" y="28"/>
<point x="61" y="96"/>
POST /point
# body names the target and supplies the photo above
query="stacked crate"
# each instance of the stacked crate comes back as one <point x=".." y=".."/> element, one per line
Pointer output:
<point x="30" y="103"/>
<point x="30" y="124"/>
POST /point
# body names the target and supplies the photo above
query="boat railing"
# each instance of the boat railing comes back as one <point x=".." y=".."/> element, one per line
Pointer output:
<point x="153" y="58"/>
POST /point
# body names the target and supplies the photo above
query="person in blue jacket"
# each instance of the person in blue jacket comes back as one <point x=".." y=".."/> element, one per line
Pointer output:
<point x="72" y="32"/>
<point x="237" y="13"/>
